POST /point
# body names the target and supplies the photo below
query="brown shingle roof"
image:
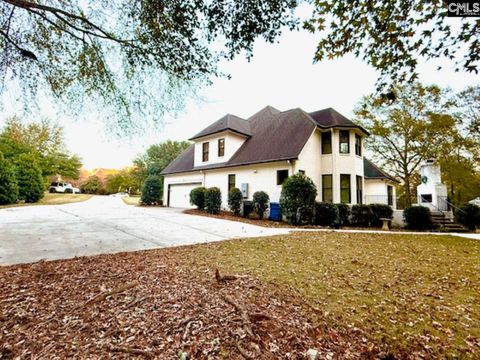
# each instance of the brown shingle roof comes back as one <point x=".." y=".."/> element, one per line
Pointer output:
<point x="372" y="171"/>
<point x="273" y="136"/>
<point x="329" y="118"/>
<point x="228" y="122"/>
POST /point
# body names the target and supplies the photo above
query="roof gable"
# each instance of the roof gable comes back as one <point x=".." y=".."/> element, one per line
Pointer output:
<point x="329" y="118"/>
<point x="372" y="171"/>
<point x="228" y="122"/>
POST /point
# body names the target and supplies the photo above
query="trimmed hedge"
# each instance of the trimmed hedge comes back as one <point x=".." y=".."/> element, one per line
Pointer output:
<point x="418" y="218"/>
<point x="297" y="199"/>
<point x="326" y="214"/>
<point x="197" y="197"/>
<point x="361" y="215"/>
<point x="469" y="216"/>
<point x="380" y="211"/>
<point x="213" y="200"/>
<point x="344" y="213"/>
<point x="235" y="198"/>
<point x="260" y="202"/>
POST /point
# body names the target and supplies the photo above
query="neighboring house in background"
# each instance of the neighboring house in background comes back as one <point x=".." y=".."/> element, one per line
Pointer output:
<point x="259" y="153"/>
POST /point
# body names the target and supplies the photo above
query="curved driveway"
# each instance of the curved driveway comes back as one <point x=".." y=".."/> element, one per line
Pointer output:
<point x="106" y="225"/>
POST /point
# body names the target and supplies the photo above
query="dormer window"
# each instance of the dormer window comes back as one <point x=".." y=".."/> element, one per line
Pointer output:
<point x="344" y="142"/>
<point x="221" y="147"/>
<point x="205" y="148"/>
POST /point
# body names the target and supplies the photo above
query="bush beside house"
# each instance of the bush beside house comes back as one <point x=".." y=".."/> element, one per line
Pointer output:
<point x="260" y="203"/>
<point x="297" y="199"/>
<point x="418" y="218"/>
<point x="213" y="200"/>
<point x="197" y="197"/>
<point x="344" y="214"/>
<point x="235" y="200"/>
<point x="361" y="215"/>
<point x="152" y="190"/>
<point x="469" y="216"/>
<point x="380" y="211"/>
<point x="326" y="214"/>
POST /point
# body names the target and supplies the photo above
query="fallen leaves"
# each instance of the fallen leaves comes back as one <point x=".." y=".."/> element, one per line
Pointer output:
<point x="157" y="304"/>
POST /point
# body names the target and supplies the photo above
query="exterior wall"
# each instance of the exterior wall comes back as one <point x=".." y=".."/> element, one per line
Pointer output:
<point x="183" y="178"/>
<point x="310" y="161"/>
<point x="258" y="177"/>
<point x="375" y="191"/>
<point x="232" y="144"/>
<point x="431" y="185"/>
<point x="336" y="164"/>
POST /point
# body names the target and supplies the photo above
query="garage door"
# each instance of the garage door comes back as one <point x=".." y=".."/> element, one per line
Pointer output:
<point x="179" y="195"/>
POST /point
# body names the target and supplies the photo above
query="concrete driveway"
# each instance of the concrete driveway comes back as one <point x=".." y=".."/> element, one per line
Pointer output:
<point x="106" y="225"/>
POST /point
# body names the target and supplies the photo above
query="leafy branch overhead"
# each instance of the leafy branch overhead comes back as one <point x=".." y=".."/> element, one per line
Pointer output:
<point x="393" y="35"/>
<point x="136" y="57"/>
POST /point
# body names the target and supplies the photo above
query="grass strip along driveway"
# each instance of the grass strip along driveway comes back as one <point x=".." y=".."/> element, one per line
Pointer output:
<point x="54" y="199"/>
<point x="346" y="295"/>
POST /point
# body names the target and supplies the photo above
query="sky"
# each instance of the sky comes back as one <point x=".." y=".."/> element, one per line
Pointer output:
<point x="282" y="75"/>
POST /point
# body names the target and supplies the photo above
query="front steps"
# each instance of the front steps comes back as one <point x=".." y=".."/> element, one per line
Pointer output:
<point x="444" y="222"/>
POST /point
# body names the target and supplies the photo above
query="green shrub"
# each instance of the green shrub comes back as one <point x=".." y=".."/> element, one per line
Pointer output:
<point x="418" y="217"/>
<point x="380" y="211"/>
<point x="326" y="214"/>
<point x="213" y="200"/>
<point x="197" y="197"/>
<point x="260" y="202"/>
<point x="31" y="187"/>
<point x="469" y="216"/>
<point x="235" y="198"/>
<point x="152" y="190"/>
<point x="361" y="215"/>
<point x="297" y="199"/>
<point x="8" y="183"/>
<point x="92" y="185"/>
<point x="344" y="213"/>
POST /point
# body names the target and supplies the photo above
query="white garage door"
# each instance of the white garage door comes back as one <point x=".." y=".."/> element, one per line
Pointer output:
<point x="180" y="195"/>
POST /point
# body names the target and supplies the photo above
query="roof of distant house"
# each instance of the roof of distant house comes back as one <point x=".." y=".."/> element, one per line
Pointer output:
<point x="272" y="135"/>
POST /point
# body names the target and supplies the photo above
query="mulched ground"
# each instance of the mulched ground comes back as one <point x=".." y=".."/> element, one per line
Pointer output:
<point x="158" y="304"/>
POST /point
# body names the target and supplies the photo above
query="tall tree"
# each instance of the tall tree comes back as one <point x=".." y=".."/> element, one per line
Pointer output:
<point x="44" y="141"/>
<point x="393" y="35"/>
<point x="157" y="157"/>
<point x="131" y="60"/>
<point x="404" y="133"/>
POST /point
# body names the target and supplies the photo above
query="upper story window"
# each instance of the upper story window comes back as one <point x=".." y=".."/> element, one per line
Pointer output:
<point x="326" y="142"/>
<point x="282" y="175"/>
<point x="205" y="149"/>
<point x="358" y="145"/>
<point x="344" y="142"/>
<point x="221" y="147"/>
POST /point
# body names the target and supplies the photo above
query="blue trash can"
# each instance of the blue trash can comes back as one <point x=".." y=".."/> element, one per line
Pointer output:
<point x="275" y="212"/>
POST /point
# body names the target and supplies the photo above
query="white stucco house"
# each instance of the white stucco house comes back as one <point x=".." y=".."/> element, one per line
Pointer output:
<point x="260" y="152"/>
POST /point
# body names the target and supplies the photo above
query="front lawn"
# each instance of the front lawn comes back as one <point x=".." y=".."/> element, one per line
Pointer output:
<point x="412" y="293"/>
<point x="54" y="199"/>
<point x="346" y="295"/>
